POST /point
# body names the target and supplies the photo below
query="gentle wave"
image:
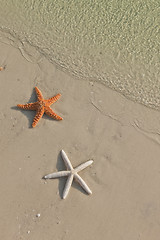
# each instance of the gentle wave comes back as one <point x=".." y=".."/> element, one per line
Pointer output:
<point x="113" y="42"/>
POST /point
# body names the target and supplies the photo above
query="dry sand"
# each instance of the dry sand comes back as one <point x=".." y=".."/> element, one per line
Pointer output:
<point x="122" y="137"/>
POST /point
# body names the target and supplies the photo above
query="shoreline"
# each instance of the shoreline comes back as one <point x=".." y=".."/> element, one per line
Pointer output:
<point x="132" y="78"/>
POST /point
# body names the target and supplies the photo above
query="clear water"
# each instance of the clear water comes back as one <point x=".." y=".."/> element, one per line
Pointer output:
<point x="114" y="42"/>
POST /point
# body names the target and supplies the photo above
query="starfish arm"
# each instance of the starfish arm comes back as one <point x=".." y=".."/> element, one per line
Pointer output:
<point x="38" y="116"/>
<point x="53" y="99"/>
<point x="83" y="165"/>
<point x="67" y="186"/>
<point x="82" y="183"/>
<point x="57" y="174"/>
<point x="28" y="106"/>
<point x="39" y="94"/>
<point x="66" y="160"/>
<point x="52" y="114"/>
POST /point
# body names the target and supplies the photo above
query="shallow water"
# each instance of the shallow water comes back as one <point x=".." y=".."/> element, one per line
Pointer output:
<point x="113" y="42"/>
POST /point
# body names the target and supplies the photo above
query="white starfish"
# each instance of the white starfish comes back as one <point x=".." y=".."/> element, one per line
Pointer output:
<point x="72" y="173"/>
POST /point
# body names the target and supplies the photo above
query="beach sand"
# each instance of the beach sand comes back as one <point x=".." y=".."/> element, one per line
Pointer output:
<point x="122" y="138"/>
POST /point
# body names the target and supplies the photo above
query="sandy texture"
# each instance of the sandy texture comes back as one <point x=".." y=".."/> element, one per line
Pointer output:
<point x="122" y="137"/>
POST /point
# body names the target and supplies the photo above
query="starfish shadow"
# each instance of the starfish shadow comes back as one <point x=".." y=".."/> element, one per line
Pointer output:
<point x="77" y="186"/>
<point x="62" y="181"/>
<point x="28" y="113"/>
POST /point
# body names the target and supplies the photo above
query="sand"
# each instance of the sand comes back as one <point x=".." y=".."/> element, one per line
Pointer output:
<point x="122" y="138"/>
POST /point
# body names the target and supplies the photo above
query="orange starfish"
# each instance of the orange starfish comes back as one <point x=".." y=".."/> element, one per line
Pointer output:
<point x="41" y="106"/>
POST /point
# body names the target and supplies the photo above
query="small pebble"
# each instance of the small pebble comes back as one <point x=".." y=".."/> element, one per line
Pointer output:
<point x="38" y="215"/>
<point x="28" y="231"/>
